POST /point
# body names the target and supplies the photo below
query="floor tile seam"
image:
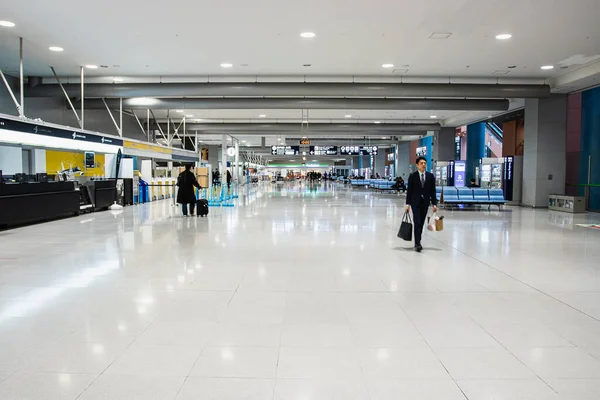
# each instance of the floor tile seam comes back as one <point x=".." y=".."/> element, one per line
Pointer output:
<point x="185" y="379"/>
<point x="431" y="349"/>
<point x="278" y="355"/>
<point x="116" y="358"/>
<point x="520" y="281"/>
<point x="512" y="354"/>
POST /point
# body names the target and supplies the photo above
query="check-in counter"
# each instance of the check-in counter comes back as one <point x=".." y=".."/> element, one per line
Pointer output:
<point x="25" y="203"/>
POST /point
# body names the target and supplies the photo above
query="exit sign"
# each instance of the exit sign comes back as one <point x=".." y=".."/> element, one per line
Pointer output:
<point x="305" y="142"/>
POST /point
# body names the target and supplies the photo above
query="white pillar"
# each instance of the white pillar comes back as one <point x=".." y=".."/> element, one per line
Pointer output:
<point x="223" y="157"/>
<point x="236" y="174"/>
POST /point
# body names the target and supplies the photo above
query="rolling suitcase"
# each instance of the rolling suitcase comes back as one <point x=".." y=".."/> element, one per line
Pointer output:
<point x="202" y="208"/>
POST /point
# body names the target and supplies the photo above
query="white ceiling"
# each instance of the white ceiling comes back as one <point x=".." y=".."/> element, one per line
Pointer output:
<point x="354" y="37"/>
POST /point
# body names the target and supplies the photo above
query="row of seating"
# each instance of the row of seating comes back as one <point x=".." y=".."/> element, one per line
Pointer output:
<point x="452" y="196"/>
<point x="376" y="184"/>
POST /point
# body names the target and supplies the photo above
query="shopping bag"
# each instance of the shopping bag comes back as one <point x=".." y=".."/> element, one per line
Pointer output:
<point x="431" y="223"/>
<point x="439" y="223"/>
<point x="406" y="228"/>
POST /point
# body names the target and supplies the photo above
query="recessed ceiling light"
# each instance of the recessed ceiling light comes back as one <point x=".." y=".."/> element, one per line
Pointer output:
<point x="305" y="122"/>
<point x="117" y="79"/>
<point x="387" y="65"/>
<point x="262" y="116"/>
<point x="142" y="101"/>
<point x="503" y="36"/>
<point x="7" y="24"/>
<point x="226" y="65"/>
<point x="377" y="122"/>
<point x="548" y="67"/>
<point x="179" y="111"/>
<point x="348" y="116"/>
<point x="433" y="116"/>
<point x="243" y="141"/>
<point x="55" y="48"/>
<point x="189" y="116"/>
<point x="308" y="35"/>
<point x="91" y="66"/>
<point x="384" y="137"/>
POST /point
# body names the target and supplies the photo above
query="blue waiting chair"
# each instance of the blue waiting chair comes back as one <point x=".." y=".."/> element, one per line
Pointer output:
<point x="497" y="197"/>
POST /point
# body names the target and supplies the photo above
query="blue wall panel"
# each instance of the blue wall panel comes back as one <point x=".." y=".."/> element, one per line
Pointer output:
<point x="590" y="142"/>
<point x="475" y="147"/>
<point x="427" y="142"/>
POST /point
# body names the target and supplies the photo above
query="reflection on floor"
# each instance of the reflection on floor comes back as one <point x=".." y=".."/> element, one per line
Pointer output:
<point x="300" y="292"/>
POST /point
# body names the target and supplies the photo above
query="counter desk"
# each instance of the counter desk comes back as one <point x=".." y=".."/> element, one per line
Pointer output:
<point x="25" y="203"/>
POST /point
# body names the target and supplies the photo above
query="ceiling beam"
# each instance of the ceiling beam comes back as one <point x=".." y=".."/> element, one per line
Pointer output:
<point x="413" y="90"/>
<point x="306" y="103"/>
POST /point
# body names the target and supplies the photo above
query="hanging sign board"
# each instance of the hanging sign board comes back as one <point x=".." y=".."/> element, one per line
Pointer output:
<point x="358" y="150"/>
<point x="285" y="150"/>
<point x="323" y="150"/>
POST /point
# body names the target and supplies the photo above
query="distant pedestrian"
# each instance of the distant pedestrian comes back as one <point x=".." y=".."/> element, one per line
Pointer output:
<point x="185" y="195"/>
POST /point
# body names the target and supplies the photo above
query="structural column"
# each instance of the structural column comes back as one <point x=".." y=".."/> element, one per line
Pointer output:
<point x="444" y="145"/>
<point x="544" y="155"/>
<point x="223" y="157"/>
<point x="403" y="159"/>
<point x="475" y="148"/>
<point x="589" y="164"/>
<point x="236" y="174"/>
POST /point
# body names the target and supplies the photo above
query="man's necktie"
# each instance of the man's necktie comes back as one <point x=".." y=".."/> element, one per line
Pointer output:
<point x="422" y="180"/>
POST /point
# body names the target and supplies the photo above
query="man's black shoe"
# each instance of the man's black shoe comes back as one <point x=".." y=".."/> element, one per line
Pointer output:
<point x="418" y="248"/>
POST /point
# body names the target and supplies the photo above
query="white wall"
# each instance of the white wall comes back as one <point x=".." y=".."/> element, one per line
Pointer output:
<point x="11" y="160"/>
<point x="39" y="161"/>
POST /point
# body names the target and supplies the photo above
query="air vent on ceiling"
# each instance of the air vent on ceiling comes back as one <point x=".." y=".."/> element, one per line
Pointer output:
<point x="400" y="71"/>
<point x="440" y="35"/>
<point x="501" y="72"/>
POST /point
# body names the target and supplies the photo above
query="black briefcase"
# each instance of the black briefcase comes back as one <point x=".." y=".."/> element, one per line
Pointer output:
<point x="406" y="228"/>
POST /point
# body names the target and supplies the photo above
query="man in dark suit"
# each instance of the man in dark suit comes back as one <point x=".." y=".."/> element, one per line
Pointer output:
<point x="420" y="193"/>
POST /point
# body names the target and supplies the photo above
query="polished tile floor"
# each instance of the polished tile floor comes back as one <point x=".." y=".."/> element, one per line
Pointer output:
<point x="301" y="293"/>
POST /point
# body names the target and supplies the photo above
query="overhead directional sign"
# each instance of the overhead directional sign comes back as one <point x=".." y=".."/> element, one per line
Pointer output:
<point x="372" y="150"/>
<point x="323" y="150"/>
<point x="305" y="142"/>
<point x="285" y="150"/>
<point x="358" y="150"/>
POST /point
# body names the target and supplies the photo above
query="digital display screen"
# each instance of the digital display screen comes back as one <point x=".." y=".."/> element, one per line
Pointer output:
<point x="90" y="159"/>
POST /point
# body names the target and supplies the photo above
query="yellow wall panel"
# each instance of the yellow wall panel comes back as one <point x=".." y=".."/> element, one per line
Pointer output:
<point x="54" y="159"/>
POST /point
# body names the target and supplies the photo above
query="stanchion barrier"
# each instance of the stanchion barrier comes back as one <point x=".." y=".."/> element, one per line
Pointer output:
<point x="226" y="197"/>
<point x="145" y="191"/>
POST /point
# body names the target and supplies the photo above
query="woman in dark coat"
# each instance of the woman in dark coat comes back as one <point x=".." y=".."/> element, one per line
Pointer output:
<point x="186" y="182"/>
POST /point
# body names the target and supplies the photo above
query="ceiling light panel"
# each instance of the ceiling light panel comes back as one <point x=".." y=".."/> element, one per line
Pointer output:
<point x="7" y="24"/>
<point x="56" y="48"/>
<point x="504" y="36"/>
<point x="308" y="35"/>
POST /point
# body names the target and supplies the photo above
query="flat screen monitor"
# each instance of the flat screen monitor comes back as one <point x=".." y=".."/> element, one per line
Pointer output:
<point x="90" y="159"/>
